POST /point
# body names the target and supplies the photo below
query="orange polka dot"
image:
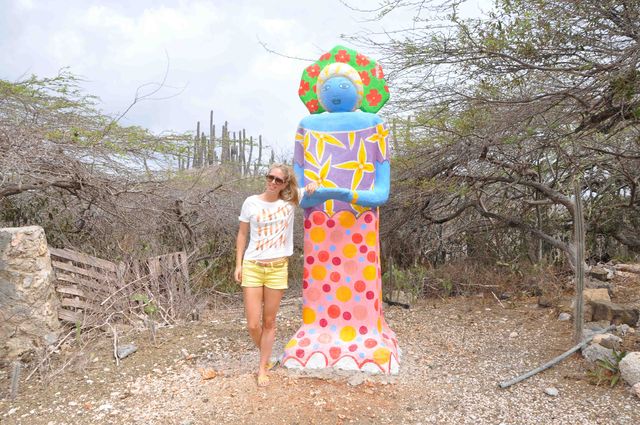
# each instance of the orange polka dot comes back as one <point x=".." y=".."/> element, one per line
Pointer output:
<point x="369" y="272"/>
<point x="333" y="311"/>
<point x="348" y="333"/>
<point x="318" y="218"/>
<point x="343" y="294"/>
<point x="381" y="355"/>
<point x="350" y="250"/>
<point x="318" y="272"/>
<point x="360" y="286"/>
<point x="371" y="238"/>
<point x="317" y="234"/>
<point x="347" y="219"/>
<point x="323" y="256"/>
<point x="379" y="325"/>
<point x="308" y="315"/>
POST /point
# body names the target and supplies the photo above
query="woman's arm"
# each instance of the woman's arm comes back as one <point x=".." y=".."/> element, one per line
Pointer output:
<point x="241" y="244"/>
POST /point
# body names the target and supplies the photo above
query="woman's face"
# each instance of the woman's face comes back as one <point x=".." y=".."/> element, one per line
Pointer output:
<point x="276" y="181"/>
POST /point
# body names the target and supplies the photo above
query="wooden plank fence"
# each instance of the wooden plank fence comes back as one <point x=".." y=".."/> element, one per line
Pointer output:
<point x="83" y="282"/>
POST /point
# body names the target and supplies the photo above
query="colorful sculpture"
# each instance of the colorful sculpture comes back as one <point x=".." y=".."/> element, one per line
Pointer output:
<point x="345" y="152"/>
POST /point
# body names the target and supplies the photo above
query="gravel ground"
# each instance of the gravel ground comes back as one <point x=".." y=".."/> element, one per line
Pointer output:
<point x="454" y="351"/>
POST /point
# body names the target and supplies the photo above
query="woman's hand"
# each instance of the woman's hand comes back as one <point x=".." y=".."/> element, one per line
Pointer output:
<point x="311" y="187"/>
<point x="237" y="274"/>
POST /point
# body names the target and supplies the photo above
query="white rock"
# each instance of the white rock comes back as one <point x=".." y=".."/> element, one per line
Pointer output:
<point x="105" y="407"/>
<point x="513" y="334"/>
<point x="564" y="317"/>
<point x="552" y="391"/>
<point x="630" y="368"/>
<point x="636" y="389"/>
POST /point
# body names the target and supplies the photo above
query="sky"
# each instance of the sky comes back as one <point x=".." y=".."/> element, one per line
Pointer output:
<point x="208" y="53"/>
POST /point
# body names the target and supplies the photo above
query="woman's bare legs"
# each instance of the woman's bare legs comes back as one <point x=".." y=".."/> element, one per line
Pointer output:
<point x="272" y="299"/>
<point x="262" y="335"/>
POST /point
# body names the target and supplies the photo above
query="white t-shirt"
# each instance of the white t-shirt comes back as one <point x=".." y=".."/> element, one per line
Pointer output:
<point x="271" y="227"/>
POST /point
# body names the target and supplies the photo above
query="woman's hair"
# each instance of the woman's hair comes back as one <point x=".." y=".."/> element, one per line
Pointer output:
<point x="290" y="191"/>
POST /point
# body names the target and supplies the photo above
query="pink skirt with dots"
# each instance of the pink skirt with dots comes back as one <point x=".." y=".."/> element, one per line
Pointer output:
<point x="343" y="324"/>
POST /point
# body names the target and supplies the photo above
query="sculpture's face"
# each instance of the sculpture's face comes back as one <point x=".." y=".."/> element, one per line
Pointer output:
<point x="338" y="94"/>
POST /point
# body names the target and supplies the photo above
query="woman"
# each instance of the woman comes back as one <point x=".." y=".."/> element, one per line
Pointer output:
<point x="262" y="270"/>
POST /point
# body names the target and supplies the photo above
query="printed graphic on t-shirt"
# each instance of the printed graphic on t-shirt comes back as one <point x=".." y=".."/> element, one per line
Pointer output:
<point x="272" y="227"/>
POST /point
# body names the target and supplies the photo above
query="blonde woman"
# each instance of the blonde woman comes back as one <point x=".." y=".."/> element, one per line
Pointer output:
<point x="262" y="267"/>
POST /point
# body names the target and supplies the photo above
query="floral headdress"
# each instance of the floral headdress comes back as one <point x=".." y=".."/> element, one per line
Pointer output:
<point x="373" y="94"/>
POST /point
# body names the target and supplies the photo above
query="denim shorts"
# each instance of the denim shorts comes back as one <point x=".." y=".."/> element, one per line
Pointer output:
<point x="271" y="274"/>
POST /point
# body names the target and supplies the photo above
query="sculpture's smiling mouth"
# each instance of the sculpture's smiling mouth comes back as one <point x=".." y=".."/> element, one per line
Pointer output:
<point x="336" y="101"/>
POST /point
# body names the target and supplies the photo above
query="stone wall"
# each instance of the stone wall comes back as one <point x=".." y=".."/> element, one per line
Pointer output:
<point x="28" y="303"/>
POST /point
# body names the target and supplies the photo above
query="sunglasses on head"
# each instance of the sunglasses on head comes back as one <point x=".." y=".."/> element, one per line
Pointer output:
<point x="271" y="178"/>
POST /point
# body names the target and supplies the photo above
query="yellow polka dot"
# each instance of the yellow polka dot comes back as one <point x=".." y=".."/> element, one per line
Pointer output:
<point x="381" y="355"/>
<point x="350" y="250"/>
<point x="379" y="325"/>
<point x="347" y="219"/>
<point x="371" y="238"/>
<point x="369" y="272"/>
<point x="292" y="343"/>
<point x="343" y="294"/>
<point x="318" y="272"/>
<point x="347" y="333"/>
<point x="317" y="234"/>
<point x="308" y="315"/>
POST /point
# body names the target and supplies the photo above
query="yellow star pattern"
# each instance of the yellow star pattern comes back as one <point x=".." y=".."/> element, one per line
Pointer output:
<point x="380" y="137"/>
<point x="359" y="167"/>
<point x="306" y="141"/>
<point x="321" y="178"/>
<point x="321" y="140"/>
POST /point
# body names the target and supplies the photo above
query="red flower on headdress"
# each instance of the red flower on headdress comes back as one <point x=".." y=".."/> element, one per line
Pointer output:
<point x="377" y="71"/>
<point x="312" y="105"/>
<point x="362" y="60"/>
<point x="386" y="88"/>
<point x="325" y="57"/>
<point x="304" y="87"/>
<point x="342" y="56"/>
<point x="313" y="71"/>
<point x="374" y="97"/>
<point x="364" y="76"/>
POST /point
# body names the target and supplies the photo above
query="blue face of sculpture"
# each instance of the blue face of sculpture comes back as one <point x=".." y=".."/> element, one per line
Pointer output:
<point x="338" y="94"/>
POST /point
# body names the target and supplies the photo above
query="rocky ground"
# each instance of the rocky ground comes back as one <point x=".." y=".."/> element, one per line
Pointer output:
<point x="455" y="351"/>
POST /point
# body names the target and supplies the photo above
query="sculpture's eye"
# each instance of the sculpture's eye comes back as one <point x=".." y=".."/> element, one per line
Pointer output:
<point x="345" y="85"/>
<point x="326" y="87"/>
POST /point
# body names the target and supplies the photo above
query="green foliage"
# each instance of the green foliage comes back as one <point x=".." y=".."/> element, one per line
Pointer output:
<point x="607" y="370"/>
<point x="148" y="306"/>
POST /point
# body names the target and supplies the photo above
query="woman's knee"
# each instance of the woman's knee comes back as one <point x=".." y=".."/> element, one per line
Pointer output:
<point x="269" y="323"/>
<point x="253" y="326"/>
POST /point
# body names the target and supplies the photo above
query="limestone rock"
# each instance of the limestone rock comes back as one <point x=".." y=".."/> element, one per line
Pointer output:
<point x="608" y="341"/>
<point x="594" y="352"/>
<point x="630" y="368"/>
<point x="601" y="273"/>
<point x="615" y="313"/>
<point x="596" y="294"/>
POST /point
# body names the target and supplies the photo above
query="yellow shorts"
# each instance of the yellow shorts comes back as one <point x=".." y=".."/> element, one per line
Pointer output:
<point x="272" y="274"/>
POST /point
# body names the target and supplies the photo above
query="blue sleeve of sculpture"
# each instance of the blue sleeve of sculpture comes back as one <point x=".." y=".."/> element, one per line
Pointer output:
<point x="380" y="192"/>
<point x="366" y="198"/>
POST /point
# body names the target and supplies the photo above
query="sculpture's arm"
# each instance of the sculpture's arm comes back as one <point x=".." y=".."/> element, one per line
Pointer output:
<point x="366" y="198"/>
<point x="380" y="192"/>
